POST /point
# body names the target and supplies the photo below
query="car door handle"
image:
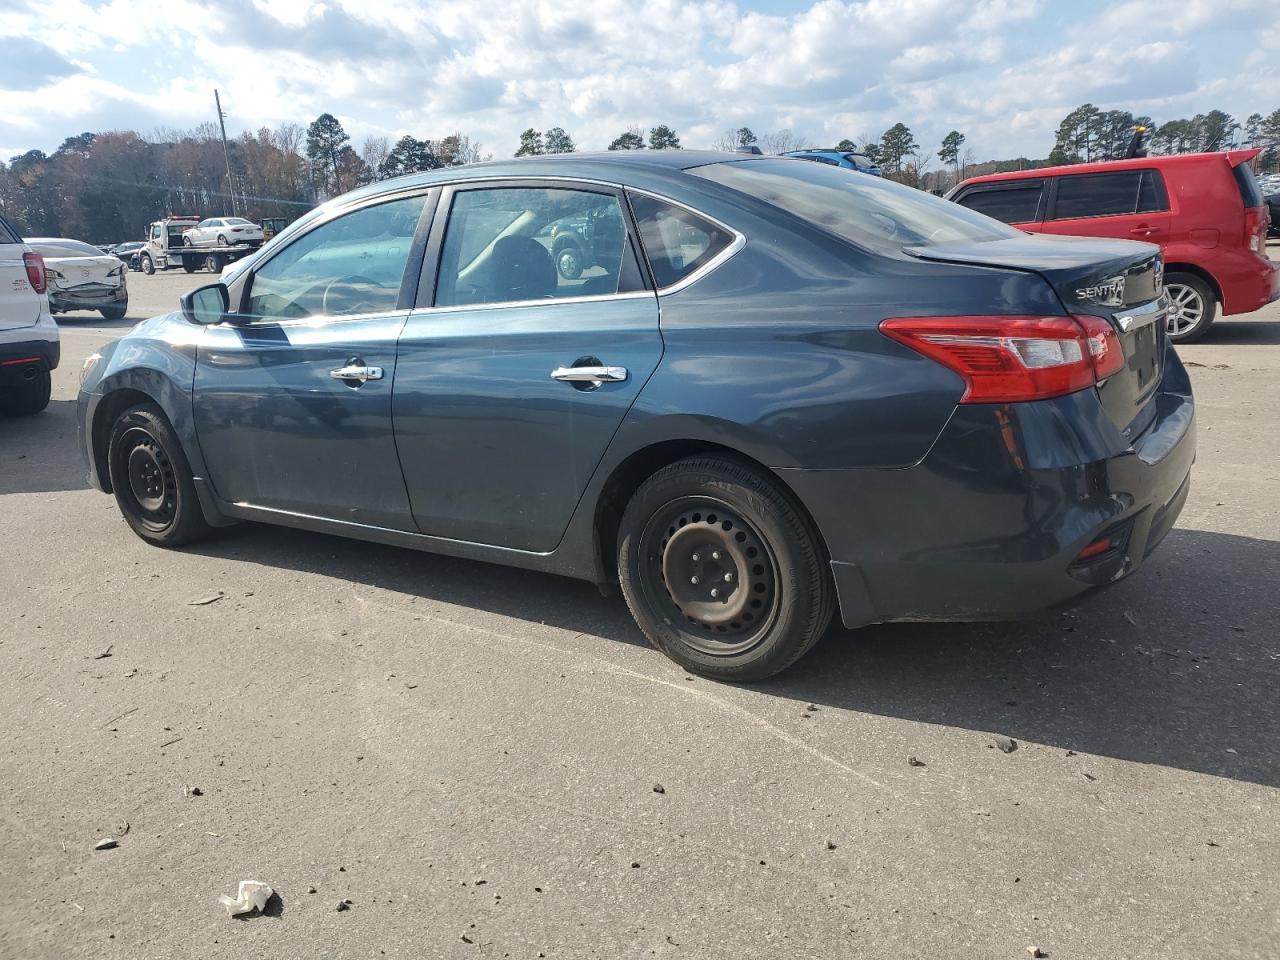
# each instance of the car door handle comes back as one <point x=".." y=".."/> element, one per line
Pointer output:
<point x="356" y="372"/>
<point x="1144" y="231"/>
<point x="590" y="374"/>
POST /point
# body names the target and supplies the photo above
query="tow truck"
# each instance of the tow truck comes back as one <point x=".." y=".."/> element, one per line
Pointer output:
<point x="164" y="249"/>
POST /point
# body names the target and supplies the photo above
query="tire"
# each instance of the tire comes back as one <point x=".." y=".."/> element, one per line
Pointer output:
<point x="147" y="264"/>
<point x="222" y="241"/>
<point x="152" y="479"/>
<point x="29" y="398"/>
<point x="189" y="264"/>
<point x="712" y="520"/>
<point x="1192" y="307"/>
<point x="212" y="263"/>
<point x="186" y="242"/>
<point x="569" y="261"/>
<point x="116" y="312"/>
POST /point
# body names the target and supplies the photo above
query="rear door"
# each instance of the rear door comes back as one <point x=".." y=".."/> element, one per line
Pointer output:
<point x="1126" y="205"/>
<point x="518" y="367"/>
<point x="1019" y="203"/>
<point x="19" y="303"/>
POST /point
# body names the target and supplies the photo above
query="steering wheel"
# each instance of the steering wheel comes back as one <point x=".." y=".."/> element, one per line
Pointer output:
<point x="335" y="299"/>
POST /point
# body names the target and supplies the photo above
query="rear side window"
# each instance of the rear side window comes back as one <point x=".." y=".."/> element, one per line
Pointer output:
<point x="677" y="241"/>
<point x="1249" y="192"/>
<point x="1011" y="203"/>
<point x="7" y="233"/>
<point x="1108" y="195"/>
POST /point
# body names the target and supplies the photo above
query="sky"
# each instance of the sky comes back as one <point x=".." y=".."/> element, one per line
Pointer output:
<point x="1003" y="72"/>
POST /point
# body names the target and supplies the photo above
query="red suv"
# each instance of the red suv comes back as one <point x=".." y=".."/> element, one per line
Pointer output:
<point x="1204" y="210"/>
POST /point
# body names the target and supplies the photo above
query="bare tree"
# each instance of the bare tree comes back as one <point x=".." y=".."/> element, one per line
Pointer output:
<point x="781" y="141"/>
<point x="374" y="152"/>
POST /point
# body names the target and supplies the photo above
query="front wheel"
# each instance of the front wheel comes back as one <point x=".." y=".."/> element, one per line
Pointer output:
<point x="1192" y="307"/>
<point x="722" y="571"/>
<point x="148" y="265"/>
<point x="222" y="241"/>
<point x="569" y="262"/>
<point x="152" y="480"/>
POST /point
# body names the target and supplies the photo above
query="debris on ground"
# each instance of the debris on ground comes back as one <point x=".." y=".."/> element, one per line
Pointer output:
<point x="205" y="601"/>
<point x="105" y="653"/>
<point x="311" y="889"/>
<point x="250" y="895"/>
<point x="1131" y="618"/>
<point x="106" y="843"/>
<point x="914" y="761"/>
<point x="659" y="788"/>
<point x="1006" y="744"/>
<point x="1036" y="952"/>
<point x="831" y="844"/>
<point x="343" y="905"/>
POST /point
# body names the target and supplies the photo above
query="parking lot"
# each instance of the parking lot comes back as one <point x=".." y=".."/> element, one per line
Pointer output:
<point x="488" y="762"/>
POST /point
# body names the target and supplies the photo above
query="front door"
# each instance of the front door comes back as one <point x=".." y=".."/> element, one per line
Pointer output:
<point x="293" y="398"/>
<point x="534" y="340"/>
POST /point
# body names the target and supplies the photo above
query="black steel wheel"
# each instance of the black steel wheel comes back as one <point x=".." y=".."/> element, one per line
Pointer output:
<point x="151" y="478"/>
<point x="722" y="570"/>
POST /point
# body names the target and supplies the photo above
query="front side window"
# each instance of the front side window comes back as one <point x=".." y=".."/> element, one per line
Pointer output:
<point x="513" y="244"/>
<point x="1105" y="195"/>
<point x="677" y="241"/>
<point x="868" y="211"/>
<point x="351" y="265"/>
<point x="1015" y="203"/>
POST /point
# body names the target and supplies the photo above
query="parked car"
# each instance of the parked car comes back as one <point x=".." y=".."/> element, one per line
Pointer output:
<point x="1203" y="209"/>
<point x="29" y="347"/>
<point x="82" y="277"/>
<point x="1272" y="196"/>
<point x="127" y="253"/>
<point x="839" y="158"/>
<point x="223" y="232"/>
<point x="792" y="391"/>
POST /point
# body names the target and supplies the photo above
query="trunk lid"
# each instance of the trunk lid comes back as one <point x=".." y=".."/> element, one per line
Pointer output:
<point x="83" y="272"/>
<point x="1120" y="280"/>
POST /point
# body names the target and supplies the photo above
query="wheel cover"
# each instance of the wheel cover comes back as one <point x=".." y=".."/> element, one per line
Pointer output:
<point x="711" y="574"/>
<point x="569" y="267"/>
<point x="1186" y="308"/>
<point x="153" y="487"/>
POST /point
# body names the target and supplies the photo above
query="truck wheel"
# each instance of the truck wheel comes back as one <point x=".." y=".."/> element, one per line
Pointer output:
<point x="189" y="264"/>
<point x="722" y="571"/>
<point x="152" y="480"/>
<point x="1192" y="307"/>
<point x="569" y="262"/>
<point x="147" y="264"/>
<point x="29" y="397"/>
<point x="212" y="263"/>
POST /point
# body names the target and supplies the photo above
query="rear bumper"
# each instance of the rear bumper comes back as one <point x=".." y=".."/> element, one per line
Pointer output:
<point x="1249" y="282"/>
<point x="990" y="523"/>
<point x="91" y="299"/>
<point x="21" y="359"/>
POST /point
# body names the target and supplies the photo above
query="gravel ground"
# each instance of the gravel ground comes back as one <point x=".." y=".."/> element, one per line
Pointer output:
<point x="471" y="754"/>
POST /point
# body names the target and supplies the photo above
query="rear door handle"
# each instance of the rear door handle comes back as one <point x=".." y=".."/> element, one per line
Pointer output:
<point x="590" y="374"/>
<point x="356" y="372"/>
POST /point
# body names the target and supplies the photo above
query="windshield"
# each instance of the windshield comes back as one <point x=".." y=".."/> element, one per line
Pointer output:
<point x="61" y="249"/>
<point x="868" y="211"/>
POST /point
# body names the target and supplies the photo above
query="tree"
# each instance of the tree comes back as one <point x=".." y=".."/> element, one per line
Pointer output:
<point x="950" y="152"/>
<point x="530" y="144"/>
<point x="744" y="137"/>
<point x="663" y="137"/>
<point x="559" y="141"/>
<point x="374" y="153"/>
<point x="631" y="140"/>
<point x="325" y="140"/>
<point x="456" y="150"/>
<point x="1217" y="130"/>
<point x="1253" y="129"/>
<point x="781" y="141"/>
<point x="80" y="145"/>
<point x="409" y="155"/>
<point x="847" y="146"/>
<point x="896" y="144"/>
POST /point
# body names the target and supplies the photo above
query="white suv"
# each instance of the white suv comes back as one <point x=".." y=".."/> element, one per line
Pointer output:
<point x="28" y="336"/>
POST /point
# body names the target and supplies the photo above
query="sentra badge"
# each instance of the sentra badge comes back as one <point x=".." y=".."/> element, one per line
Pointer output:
<point x="1109" y="292"/>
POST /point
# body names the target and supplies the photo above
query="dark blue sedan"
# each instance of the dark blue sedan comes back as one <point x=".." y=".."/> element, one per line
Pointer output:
<point x="777" y="391"/>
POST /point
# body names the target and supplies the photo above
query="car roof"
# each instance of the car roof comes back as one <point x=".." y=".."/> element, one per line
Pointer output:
<point x="1233" y="157"/>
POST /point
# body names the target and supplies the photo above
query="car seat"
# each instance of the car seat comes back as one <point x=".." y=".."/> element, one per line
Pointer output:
<point x="522" y="269"/>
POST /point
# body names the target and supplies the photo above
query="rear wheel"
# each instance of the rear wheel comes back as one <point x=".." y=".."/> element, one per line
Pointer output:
<point x="152" y="480"/>
<point x="116" y="311"/>
<point x="722" y="571"/>
<point x="190" y="264"/>
<point x="28" y="398"/>
<point x="213" y="263"/>
<point x="1192" y="307"/>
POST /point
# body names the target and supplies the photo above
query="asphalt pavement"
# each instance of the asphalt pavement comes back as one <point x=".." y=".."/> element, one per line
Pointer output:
<point x="492" y="763"/>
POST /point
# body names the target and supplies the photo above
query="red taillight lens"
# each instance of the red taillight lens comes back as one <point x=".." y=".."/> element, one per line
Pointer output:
<point x="1095" y="549"/>
<point x="36" y="275"/>
<point x="1256" y="220"/>
<point x="1009" y="359"/>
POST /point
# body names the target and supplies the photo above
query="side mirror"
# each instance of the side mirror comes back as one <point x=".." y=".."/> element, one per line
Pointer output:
<point x="206" y="305"/>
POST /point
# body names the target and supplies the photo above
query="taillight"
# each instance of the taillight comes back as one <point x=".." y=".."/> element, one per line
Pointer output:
<point x="35" y="272"/>
<point x="1009" y="359"/>
<point x="1255" y="228"/>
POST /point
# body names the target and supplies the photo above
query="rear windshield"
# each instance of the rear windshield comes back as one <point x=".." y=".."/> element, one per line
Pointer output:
<point x="868" y="211"/>
<point x="238" y="221"/>
<point x="55" y="249"/>
<point x="1249" y="191"/>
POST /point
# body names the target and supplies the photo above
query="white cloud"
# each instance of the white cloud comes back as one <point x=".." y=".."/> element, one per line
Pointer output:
<point x="1003" y="71"/>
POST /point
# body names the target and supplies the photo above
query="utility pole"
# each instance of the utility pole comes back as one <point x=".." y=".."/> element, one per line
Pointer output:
<point x="226" y="153"/>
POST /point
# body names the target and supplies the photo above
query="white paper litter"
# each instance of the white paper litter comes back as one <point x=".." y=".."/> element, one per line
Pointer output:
<point x="252" y="895"/>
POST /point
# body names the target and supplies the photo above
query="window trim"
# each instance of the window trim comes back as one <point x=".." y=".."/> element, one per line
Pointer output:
<point x="1045" y="185"/>
<point x="426" y="288"/>
<point x="1051" y="198"/>
<point x="735" y="245"/>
